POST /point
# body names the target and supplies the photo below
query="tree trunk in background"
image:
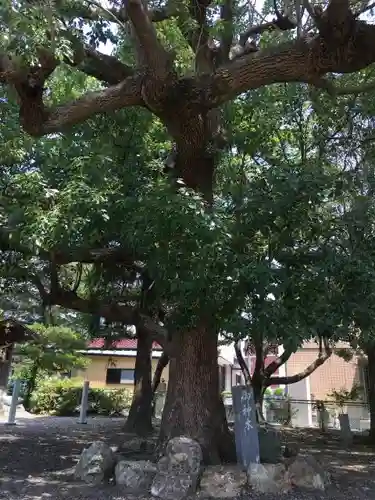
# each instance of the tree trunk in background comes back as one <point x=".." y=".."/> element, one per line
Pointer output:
<point x="370" y="351"/>
<point x="31" y="384"/>
<point x="5" y="367"/>
<point x="162" y="363"/>
<point x="139" y="419"/>
<point x="194" y="407"/>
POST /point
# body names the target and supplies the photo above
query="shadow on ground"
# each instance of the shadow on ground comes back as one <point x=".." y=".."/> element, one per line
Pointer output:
<point x="350" y="467"/>
<point x="37" y="458"/>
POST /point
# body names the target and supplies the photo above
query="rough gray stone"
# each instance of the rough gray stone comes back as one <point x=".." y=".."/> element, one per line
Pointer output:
<point x="179" y="470"/>
<point x="268" y="478"/>
<point x="169" y="486"/>
<point x="184" y="455"/>
<point x="270" y="449"/>
<point x="306" y="472"/>
<point x="136" y="477"/>
<point x="96" y="464"/>
<point x="223" y="481"/>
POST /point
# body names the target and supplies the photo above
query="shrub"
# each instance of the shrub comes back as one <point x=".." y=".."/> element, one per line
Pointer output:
<point x="62" y="397"/>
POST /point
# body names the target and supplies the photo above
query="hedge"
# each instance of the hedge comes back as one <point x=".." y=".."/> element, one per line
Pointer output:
<point x="62" y="397"/>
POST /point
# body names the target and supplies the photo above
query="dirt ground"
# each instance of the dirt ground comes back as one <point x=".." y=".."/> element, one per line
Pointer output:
<point x="37" y="456"/>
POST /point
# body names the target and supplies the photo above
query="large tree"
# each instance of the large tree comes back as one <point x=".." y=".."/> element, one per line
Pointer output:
<point x="185" y="87"/>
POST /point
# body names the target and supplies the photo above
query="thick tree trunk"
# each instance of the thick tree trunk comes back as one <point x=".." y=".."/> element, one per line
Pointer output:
<point x="371" y="388"/>
<point x="139" y="419"/>
<point x="194" y="407"/>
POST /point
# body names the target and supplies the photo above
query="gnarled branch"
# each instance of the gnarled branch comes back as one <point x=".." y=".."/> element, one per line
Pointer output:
<point x="155" y="57"/>
<point x="292" y="379"/>
<point x="38" y="120"/>
<point x="103" y="67"/>
<point x="110" y="311"/>
<point x="279" y="361"/>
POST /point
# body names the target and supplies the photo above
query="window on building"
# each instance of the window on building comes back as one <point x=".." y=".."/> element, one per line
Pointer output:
<point x="119" y="376"/>
<point x="238" y="380"/>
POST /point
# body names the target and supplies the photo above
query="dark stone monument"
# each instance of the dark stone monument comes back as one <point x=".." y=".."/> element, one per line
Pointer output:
<point x="270" y="449"/>
<point x="245" y="425"/>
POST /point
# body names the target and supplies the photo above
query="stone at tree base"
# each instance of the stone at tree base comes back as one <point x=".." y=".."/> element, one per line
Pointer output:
<point x="179" y="470"/>
<point x="136" y="477"/>
<point x="169" y="486"/>
<point x="184" y="454"/>
<point x="96" y="464"/>
<point x="223" y="481"/>
<point x="270" y="449"/>
<point x="268" y="478"/>
<point x="306" y="472"/>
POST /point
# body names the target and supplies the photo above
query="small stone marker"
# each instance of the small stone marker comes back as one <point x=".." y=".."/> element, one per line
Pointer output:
<point x="345" y="430"/>
<point x="159" y="403"/>
<point x="84" y="403"/>
<point x="245" y="426"/>
<point x="14" y="402"/>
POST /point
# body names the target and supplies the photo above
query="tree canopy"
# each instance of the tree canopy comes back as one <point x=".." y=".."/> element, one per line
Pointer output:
<point x="108" y="200"/>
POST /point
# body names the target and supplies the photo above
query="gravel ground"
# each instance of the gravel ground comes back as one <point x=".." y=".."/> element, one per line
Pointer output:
<point x="38" y="454"/>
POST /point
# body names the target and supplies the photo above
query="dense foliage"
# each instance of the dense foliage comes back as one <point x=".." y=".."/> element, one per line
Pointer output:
<point x="62" y="397"/>
<point x="100" y="219"/>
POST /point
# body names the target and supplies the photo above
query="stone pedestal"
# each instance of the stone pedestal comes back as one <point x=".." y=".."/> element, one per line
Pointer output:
<point x="270" y="449"/>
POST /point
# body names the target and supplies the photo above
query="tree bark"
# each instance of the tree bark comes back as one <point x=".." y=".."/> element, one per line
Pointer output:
<point x="193" y="407"/>
<point x="139" y="420"/>
<point x="370" y="351"/>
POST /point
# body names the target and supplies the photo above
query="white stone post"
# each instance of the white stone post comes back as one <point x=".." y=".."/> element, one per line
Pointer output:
<point x="84" y="403"/>
<point x="14" y="402"/>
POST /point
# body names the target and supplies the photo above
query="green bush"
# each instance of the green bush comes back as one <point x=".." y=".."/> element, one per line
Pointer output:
<point x="62" y="397"/>
<point x="279" y="391"/>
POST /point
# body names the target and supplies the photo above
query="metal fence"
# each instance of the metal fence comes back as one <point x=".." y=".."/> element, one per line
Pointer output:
<point x="305" y="413"/>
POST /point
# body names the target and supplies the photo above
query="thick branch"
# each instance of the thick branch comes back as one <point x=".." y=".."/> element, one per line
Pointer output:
<point x="103" y="67"/>
<point x="259" y="354"/>
<point x="242" y="363"/>
<point x="279" y="361"/>
<point x="156" y="58"/>
<point x="228" y="31"/>
<point x="198" y="38"/>
<point x="112" y="312"/>
<point x="117" y="255"/>
<point x="298" y="61"/>
<point x="292" y="379"/>
<point x="256" y="30"/>
<point x="39" y="120"/>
